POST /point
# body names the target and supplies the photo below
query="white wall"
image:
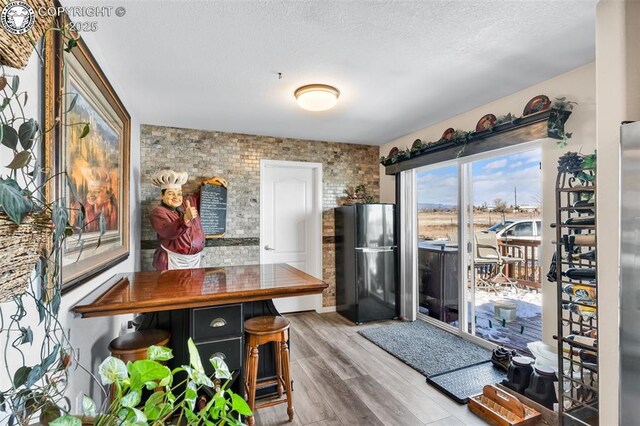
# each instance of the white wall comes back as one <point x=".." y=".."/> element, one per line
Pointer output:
<point x="618" y="82"/>
<point x="90" y="336"/>
<point x="577" y="85"/>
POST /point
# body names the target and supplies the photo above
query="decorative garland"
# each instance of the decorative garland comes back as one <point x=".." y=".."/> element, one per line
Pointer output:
<point x="560" y="110"/>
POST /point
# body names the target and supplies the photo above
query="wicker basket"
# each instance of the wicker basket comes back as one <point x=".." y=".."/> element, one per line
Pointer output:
<point x="15" y="50"/>
<point x="20" y="247"/>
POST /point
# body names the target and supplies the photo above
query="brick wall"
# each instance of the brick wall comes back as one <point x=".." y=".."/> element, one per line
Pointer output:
<point x="236" y="157"/>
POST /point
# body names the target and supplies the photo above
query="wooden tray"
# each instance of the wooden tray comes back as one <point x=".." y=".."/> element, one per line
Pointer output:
<point x="549" y="417"/>
<point x="500" y="408"/>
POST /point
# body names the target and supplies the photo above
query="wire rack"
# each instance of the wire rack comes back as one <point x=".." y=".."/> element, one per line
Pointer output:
<point x="577" y="313"/>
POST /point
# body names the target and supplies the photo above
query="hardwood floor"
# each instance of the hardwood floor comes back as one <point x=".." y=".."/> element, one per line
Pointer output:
<point x="340" y="378"/>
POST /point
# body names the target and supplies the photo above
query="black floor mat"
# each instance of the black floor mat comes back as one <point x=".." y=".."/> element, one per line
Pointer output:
<point x="464" y="382"/>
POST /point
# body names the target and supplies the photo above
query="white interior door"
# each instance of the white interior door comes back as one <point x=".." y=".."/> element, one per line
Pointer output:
<point x="291" y="223"/>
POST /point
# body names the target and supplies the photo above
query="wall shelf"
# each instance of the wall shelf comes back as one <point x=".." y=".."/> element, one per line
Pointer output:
<point x="524" y="129"/>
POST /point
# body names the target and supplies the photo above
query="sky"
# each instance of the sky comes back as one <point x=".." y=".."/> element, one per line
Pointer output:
<point x="492" y="178"/>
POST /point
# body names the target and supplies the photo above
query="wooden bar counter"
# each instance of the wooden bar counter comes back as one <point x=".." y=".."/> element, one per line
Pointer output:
<point x="139" y="292"/>
<point x="208" y="305"/>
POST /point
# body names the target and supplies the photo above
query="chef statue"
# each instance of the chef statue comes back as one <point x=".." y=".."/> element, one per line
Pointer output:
<point x="177" y="224"/>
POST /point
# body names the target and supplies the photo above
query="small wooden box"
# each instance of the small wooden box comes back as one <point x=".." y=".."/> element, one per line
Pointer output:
<point x="500" y="408"/>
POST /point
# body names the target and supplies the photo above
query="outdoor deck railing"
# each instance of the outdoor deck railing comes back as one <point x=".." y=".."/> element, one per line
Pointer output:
<point x="526" y="272"/>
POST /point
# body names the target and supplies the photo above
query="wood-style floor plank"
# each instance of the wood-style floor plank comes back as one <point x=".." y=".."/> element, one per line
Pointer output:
<point x="341" y="378"/>
<point x="299" y="347"/>
<point x="384" y="405"/>
<point x="351" y="410"/>
<point x="309" y="404"/>
<point x="330" y="353"/>
<point x="394" y="383"/>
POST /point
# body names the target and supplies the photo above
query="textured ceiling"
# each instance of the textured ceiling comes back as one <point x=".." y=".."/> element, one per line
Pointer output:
<point x="400" y="65"/>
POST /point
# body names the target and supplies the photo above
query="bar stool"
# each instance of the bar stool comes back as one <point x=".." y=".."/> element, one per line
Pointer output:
<point x="133" y="346"/>
<point x="261" y="330"/>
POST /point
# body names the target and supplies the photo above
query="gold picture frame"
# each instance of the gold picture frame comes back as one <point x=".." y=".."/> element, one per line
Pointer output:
<point x="90" y="171"/>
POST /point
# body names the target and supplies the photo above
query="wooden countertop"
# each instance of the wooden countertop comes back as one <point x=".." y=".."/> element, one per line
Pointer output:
<point x="139" y="292"/>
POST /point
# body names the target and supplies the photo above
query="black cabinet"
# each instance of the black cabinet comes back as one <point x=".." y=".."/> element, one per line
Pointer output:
<point x="218" y="330"/>
<point x="438" y="278"/>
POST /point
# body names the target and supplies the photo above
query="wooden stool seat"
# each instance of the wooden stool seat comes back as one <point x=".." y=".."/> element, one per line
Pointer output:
<point x="133" y="346"/>
<point x="261" y="330"/>
<point x="266" y="325"/>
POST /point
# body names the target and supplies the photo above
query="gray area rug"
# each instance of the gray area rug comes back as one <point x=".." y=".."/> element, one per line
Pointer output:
<point x="426" y="348"/>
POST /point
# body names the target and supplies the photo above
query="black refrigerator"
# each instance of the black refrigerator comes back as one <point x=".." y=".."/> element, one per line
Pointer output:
<point x="366" y="262"/>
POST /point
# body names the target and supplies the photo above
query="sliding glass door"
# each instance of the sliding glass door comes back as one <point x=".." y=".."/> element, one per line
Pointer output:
<point x="438" y="249"/>
<point x="479" y="230"/>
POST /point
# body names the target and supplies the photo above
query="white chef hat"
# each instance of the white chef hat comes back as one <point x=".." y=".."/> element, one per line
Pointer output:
<point x="168" y="179"/>
<point x="96" y="177"/>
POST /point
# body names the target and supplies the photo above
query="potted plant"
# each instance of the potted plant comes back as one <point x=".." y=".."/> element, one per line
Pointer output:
<point x="175" y="394"/>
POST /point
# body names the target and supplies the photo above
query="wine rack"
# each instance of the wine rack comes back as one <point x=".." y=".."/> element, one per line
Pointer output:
<point x="576" y="278"/>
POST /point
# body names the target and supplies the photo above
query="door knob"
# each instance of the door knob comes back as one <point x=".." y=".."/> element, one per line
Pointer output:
<point x="268" y="248"/>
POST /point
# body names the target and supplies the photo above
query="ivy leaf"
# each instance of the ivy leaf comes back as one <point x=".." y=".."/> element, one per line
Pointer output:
<point x="89" y="406"/>
<point x="71" y="186"/>
<point x="41" y="309"/>
<point x="27" y="132"/>
<point x="60" y="220"/>
<point x="49" y="413"/>
<point x="55" y="303"/>
<point x="66" y="420"/>
<point x="85" y="131"/>
<point x="35" y="374"/>
<point x="102" y="224"/>
<point x="70" y="45"/>
<point x="20" y="376"/>
<point x="15" y="84"/>
<point x="159" y="353"/>
<point x="12" y="201"/>
<point x="27" y="335"/>
<point x="20" y="160"/>
<point x="72" y="104"/>
<point x="51" y="358"/>
<point x="9" y="137"/>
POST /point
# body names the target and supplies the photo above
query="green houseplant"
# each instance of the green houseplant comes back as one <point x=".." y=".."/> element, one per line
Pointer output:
<point x="175" y="396"/>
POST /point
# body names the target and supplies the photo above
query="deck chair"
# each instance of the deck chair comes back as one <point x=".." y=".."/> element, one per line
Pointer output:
<point x="487" y="250"/>
<point x="486" y="258"/>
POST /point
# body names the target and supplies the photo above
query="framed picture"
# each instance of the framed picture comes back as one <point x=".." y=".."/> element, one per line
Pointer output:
<point x="88" y="155"/>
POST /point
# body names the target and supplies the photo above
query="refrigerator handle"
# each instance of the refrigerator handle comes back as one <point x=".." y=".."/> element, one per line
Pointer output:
<point x="375" y="250"/>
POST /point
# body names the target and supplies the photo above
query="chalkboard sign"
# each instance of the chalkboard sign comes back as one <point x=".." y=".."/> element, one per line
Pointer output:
<point x="213" y="210"/>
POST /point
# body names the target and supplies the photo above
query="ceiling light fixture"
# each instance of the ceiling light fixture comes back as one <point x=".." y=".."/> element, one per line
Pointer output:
<point x="317" y="97"/>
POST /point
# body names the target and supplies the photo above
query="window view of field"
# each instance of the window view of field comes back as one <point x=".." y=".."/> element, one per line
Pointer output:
<point x="434" y="224"/>
<point x="504" y="188"/>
